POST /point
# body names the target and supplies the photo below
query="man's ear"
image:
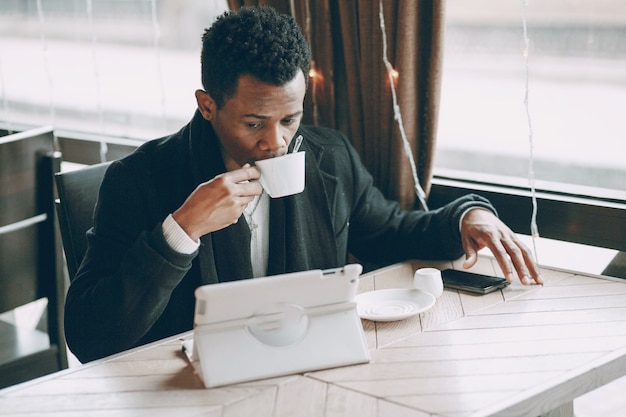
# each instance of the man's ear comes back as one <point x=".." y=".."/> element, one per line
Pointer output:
<point x="206" y="104"/>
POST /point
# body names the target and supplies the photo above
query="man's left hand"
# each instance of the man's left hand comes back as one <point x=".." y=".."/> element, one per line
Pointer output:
<point x="481" y="228"/>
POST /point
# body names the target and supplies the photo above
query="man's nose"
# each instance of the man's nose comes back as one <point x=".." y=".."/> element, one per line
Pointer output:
<point x="273" y="140"/>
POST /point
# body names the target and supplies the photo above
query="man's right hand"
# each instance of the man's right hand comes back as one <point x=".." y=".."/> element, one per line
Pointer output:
<point x="218" y="203"/>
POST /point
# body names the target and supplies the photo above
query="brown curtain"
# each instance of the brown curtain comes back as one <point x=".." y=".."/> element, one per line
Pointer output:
<point x="352" y="92"/>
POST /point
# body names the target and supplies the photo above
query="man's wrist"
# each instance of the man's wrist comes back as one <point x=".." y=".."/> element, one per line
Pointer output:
<point x="467" y="210"/>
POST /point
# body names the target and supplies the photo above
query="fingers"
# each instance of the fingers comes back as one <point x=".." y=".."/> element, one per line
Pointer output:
<point x="244" y="183"/>
<point x="245" y="173"/>
<point x="471" y="253"/>
<point x="506" y="256"/>
<point x="521" y="260"/>
<point x="247" y="191"/>
<point x="219" y="202"/>
<point x="495" y="244"/>
<point x="483" y="229"/>
<point x="514" y="258"/>
<point x="529" y="263"/>
<point x="470" y="259"/>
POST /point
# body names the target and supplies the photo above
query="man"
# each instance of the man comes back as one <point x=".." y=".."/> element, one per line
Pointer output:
<point x="187" y="209"/>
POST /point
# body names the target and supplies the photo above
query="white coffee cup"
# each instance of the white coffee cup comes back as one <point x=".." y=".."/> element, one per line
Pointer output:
<point x="428" y="280"/>
<point x="282" y="175"/>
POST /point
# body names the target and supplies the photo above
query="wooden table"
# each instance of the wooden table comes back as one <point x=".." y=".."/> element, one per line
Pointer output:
<point x="522" y="351"/>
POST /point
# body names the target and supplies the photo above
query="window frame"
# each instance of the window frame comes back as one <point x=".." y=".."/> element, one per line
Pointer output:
<point x="565" y="216"/>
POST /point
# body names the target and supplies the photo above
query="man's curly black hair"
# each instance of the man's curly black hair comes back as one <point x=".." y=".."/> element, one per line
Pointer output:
<point x="256" y="41"/>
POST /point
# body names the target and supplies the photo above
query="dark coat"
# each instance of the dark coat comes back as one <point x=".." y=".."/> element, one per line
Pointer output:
<point x="132" y="288"/>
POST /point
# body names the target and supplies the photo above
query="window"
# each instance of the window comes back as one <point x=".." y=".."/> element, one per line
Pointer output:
<point x="125" y="68"/>
<point x="577" y="92"/>
<point x="128" y="69"/>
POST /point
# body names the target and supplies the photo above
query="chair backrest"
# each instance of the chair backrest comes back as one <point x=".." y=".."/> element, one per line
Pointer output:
<point x="30" y="255"/>
<point x="77" y="196"/>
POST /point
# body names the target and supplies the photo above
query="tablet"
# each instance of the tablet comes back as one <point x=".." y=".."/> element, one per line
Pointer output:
<point x="278" y="325"/>
<point x="235" y="300"/>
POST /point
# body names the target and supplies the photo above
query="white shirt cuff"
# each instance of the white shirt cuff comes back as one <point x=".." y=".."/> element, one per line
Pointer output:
<point x="177" y="238"/>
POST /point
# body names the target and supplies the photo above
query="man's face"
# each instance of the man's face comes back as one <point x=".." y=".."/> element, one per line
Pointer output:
<point x="258" y="121"/>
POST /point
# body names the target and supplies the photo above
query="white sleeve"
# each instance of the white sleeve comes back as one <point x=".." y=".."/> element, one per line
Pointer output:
<point x="176" y="237"/>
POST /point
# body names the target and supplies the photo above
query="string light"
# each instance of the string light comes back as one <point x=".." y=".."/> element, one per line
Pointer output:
<point x="46" y="64"/>
<point x="534" y="230"/>
<point x="104" y="148"/>
<point x="5" y="101"/>
<point x="315" y="76"/>
<point x="156" y="33"/>
<point x="393" y="75"/>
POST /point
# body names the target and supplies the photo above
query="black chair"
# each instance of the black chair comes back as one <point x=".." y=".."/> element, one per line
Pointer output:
<point x="30" y="257"/>
<point x="78" y="192"/>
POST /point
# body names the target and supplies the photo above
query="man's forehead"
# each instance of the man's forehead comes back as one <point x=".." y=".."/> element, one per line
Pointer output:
<point x="255" y="99"/>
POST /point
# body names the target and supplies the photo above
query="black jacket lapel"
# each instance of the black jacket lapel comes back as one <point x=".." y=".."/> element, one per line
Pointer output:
<point x="301" y="237"/>
<point x="224" y="255"/>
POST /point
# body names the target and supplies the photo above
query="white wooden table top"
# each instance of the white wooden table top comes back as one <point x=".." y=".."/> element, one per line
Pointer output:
<point x="521" y="351"/>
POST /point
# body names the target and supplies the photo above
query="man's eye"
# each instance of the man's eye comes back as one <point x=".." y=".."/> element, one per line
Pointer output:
<point x="253" y="125"/>
<point x="288" y="121"/>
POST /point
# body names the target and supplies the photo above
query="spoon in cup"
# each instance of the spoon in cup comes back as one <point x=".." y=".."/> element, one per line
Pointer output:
<point x="296" y="146"/>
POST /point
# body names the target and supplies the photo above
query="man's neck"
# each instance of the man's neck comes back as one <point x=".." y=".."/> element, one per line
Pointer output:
<point x="229" y="162"/>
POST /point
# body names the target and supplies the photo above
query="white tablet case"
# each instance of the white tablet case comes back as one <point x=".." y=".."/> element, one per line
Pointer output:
<point x="266" y="327"/>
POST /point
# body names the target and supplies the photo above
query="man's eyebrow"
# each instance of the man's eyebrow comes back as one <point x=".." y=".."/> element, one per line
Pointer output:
<point x="298" y="113"/>
<point x="261" y="117"/>
<point x="256" y="116"/>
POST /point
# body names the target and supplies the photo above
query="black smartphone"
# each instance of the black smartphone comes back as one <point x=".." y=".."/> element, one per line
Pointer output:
<point x="471" y="282"/>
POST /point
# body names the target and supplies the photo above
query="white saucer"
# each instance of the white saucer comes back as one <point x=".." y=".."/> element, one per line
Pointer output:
<point x="393" y="304"/>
